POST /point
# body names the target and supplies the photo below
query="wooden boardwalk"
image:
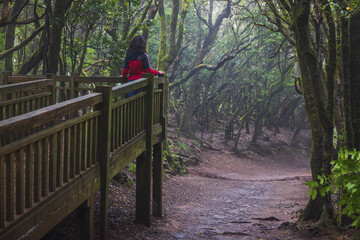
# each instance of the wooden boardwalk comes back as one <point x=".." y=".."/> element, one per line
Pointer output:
<point x="54" y="157"/>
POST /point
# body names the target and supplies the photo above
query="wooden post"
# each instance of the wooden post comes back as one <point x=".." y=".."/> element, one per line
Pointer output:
<point x="143" y="162"/>
<point x="4" y="81"/>
<point x="73" y="86"/>
<point x="157" y="179"/>
<point x="4" y="77"/>
<point x="85" y="219"/>
<point x="104" y="155"/>
<point x="52" y="88"/>
<point x="158" y="156"/>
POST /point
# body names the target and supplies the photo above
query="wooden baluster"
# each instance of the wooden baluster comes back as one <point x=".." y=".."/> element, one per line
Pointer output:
<point x="60" y="159"/>
<point x="79" y="143"/>
<point x="52" y="162"/>
<point x="45" y="167"/>
<point x="2" y="191"/>
<point x="96" y="136"/>
<point x="73" y="151"/>
<point x="67" y="154"/>
<point x="37" y="174"/>
<point x="10" y="180"/>
<point x="90" y="142"/>
<point x="121" y="128"/>
<point x="29" y="176"/>
<point x="20" y="200"/>
<point x="84" y="146"/>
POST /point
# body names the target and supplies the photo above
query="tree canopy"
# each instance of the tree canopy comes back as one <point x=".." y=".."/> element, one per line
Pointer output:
<point x="231" y="65"/>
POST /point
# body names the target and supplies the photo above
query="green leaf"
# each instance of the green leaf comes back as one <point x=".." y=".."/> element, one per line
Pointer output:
<point x="313" y="195"/>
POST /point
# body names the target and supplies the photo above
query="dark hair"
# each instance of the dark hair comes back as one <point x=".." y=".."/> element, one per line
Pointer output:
<point x="137" y="44"/>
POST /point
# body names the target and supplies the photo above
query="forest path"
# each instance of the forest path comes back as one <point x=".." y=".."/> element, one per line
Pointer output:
<point x="257" y="194"/>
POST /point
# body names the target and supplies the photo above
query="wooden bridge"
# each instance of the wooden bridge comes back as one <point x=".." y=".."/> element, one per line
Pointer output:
<point x="55" y="157"/>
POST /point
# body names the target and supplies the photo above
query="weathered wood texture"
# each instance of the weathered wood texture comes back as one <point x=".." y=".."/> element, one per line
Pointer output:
<point x="49" y="173"/>
<point x="20" y="98"/>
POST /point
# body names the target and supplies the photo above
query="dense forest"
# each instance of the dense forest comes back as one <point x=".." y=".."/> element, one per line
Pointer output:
<point x="232" y="66"/>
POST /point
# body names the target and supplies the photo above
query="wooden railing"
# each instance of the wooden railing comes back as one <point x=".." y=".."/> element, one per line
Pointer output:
<point x="66" y="87"/>
<point x="20" y="98"/>
<point x="48" y="174"/>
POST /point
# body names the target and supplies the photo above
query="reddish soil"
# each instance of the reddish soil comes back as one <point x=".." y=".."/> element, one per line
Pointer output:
<point x="256" y="194"/>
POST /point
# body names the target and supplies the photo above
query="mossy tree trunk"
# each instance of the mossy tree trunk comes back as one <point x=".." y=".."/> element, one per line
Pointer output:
<point x="57" y="24"/>
<point x="318" y="101"/>
<point x="10" y="35"/>
<point x="170" y="42"/>
<point x="354" y="75"/>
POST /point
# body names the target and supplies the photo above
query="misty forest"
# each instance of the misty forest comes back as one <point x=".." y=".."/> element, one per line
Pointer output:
<point x="255" y="126"/>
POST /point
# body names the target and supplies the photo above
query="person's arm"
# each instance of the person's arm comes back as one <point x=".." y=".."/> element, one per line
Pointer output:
<point x="125" y="72"/>
<point x="146" y="65"/>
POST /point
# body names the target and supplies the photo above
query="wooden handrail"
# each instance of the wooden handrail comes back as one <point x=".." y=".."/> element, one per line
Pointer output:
<point x="44" y="115"/>
<point x="16" y="87"/>
<point x="49" y="173"/>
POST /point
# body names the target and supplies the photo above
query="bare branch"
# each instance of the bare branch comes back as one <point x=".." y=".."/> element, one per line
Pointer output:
<point x="21" y="45"/>
<point x="198" y="13"/>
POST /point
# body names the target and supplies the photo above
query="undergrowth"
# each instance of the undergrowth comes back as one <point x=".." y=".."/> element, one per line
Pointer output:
<point x="345" y="178"/>
<point x="174" y="163"/>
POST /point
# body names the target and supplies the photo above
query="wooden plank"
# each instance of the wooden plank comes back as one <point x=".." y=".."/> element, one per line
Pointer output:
<point x="157" y="179"/>
<point x="46" y="133"/>
<point x="24" y="99"/>
<point x="112" y="131"/>
<point x="47" y="114"/>
<point x="117" y="128"/>
<point x="96" y="135"/>
<point x="137" y="116"/>
<point x="104" y="156"/>
<point x="73" y="151"/>
<point x="10" y="180"/>
<point x="143" y="198"/>
<point x="132" y="121"/>
<point x="20" y="194"/>
<point x="44" y="167"/>
<point x="84" y="145"/>
<point x="24" y="78"/>
<point x="129" y="86"/>
<point x="52" y="162"/>
<point x="126" y="154"/>
<point x="100" y="79"/>
<point x="90" y="142"/>
<point x="121" y="124"/>
<point x="143" y="113"/>
<point x="2" y="191"/>
<point x="78" y="148"/>
<point x="37" y="171"/>
<point x="12" y="88"/>
<point x="4" y="78"/>
<point x="144" y="162"/>
<point x="67" y="152"/>
<point x="127" y="100"/>
<point x="60" y="159"/>
<point x="128" y="137"/>
<point x="85" y="219"/>
<point x="49" y="212"/>
<point x="29" y="176"/>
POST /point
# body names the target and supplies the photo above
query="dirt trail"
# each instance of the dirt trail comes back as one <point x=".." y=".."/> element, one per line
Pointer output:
<point x="257" y="194"/>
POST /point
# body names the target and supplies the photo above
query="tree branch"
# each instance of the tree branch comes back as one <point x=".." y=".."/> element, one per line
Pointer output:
<point x="21" y="45"/>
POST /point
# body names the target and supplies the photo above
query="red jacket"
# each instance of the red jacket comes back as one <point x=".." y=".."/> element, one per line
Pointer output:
<point x="135" y="65"/>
